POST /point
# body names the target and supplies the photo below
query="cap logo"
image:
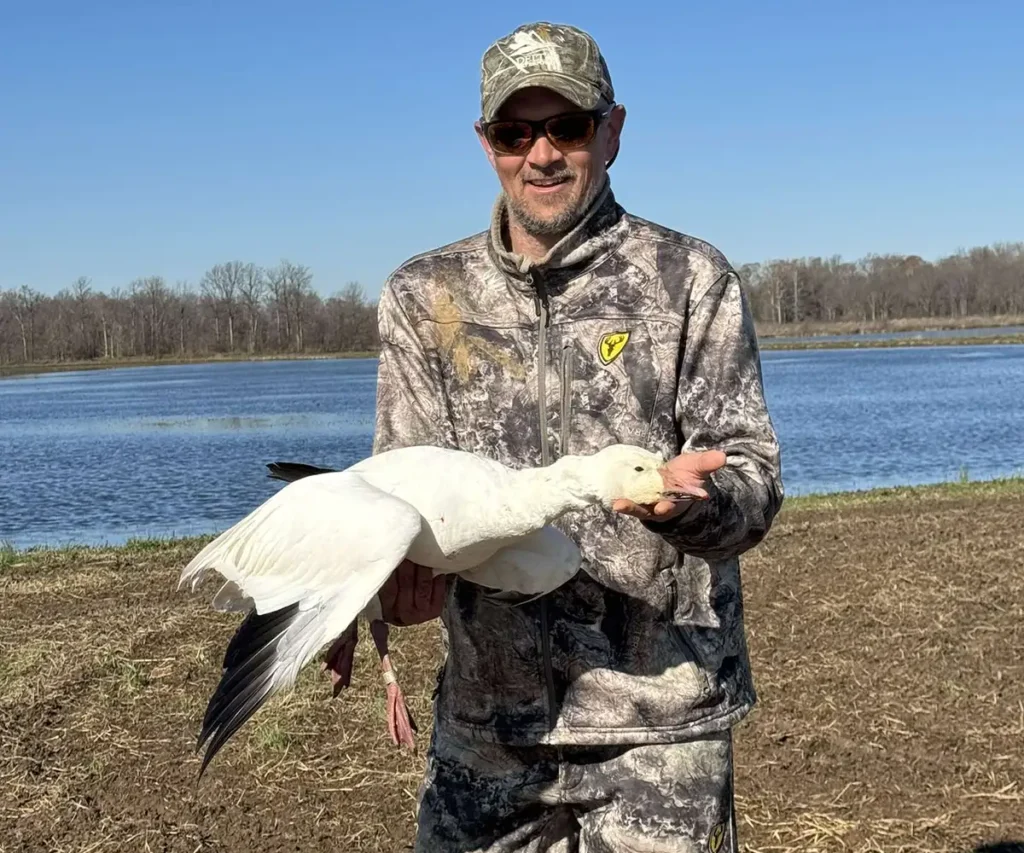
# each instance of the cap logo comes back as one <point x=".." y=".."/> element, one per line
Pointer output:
<point x="529" y="53"/>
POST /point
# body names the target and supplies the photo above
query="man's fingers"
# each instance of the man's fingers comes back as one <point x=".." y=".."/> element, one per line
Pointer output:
<point x="627" y="507"/>
<point x="661" y="511"/>
<point x="405" y="600"/>
<point x="438" y="588"/>
<point x="706" y="461"/>
<point x="424" y="585"/>
<point x="664" y="510"/>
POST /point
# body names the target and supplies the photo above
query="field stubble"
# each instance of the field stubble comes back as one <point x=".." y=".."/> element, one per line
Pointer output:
<point x="886" y="637"/>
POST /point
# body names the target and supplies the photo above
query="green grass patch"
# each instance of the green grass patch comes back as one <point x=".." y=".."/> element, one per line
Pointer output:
<point x="271" y="735"/>
<point x="954" y="490"/>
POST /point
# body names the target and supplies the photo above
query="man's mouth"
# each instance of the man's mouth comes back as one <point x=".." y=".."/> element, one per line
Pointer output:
<point x="548" y="183"/>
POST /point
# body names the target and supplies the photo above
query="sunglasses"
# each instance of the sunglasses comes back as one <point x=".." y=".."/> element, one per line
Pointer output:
<point x="565" y="131"/>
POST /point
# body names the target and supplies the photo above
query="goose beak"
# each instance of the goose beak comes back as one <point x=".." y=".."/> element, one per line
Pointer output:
<point x="671" y="495"/>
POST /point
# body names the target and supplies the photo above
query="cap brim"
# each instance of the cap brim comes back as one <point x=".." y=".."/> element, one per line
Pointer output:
<point x="585" y="96"/>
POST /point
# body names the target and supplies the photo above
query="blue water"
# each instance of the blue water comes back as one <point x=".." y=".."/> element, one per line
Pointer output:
<point x="102" y="456"/>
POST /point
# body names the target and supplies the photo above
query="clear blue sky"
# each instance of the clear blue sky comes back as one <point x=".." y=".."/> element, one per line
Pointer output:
<point x="145" y="138"/>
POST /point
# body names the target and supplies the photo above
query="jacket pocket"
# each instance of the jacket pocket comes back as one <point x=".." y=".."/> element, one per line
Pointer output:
<point x="611" y="375"/>
<point x="692" y="583"/>
<point x="680" y="634"/>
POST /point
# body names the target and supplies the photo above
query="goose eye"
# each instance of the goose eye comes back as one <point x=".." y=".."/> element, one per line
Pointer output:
<point x="639" y="468"/>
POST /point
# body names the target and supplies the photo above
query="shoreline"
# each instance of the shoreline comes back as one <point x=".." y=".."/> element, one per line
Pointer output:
<point x="766" y="343"/>
<point x="816" y="328"/>
<point x="10" y="371"/>
<point x="950" y="490"/>
<point x="898" y="343"/>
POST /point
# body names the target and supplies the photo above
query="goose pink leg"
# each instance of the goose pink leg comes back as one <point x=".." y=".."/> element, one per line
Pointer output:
<point x="400" y="723"/>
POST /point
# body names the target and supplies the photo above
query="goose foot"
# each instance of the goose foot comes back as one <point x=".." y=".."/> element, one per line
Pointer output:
<point x="340" y="657"/>
<point x="400" y="722"/>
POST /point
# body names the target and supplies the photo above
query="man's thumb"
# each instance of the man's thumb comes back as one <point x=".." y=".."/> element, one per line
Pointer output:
<point x="707" y="461"/>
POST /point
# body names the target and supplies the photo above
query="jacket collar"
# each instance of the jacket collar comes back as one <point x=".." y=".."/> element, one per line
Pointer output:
<point x="600" y="230"/>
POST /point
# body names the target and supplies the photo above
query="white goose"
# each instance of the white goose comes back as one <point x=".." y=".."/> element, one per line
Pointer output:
<point x="311" y="559"/>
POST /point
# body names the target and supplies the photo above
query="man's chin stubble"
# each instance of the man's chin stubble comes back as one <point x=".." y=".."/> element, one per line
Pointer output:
<point x="552" y="226"/>
<point x="559" y="224"/>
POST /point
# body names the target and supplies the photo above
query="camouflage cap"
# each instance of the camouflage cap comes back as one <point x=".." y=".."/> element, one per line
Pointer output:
<point x="556" y="56"/>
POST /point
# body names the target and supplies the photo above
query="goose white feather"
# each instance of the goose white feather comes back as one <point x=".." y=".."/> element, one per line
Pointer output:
<point x="312" y="558"/>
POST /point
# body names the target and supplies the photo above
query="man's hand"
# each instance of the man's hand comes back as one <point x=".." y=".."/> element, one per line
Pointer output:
<point x="687" y="474"/>
<point x="412" y="595"/>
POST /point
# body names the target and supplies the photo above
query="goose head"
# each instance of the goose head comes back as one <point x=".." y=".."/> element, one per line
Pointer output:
<point x="628" y="471"/>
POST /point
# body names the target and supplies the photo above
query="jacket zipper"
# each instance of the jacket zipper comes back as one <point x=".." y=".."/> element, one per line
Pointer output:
<point x="568" y="365"/>
<point x="543" y="317"/>
<point x="540" y="300"/>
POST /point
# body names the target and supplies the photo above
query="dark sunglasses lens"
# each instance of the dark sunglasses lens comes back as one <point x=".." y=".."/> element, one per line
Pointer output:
<point x="510" y="137"/>
<point x="571" y="131"/>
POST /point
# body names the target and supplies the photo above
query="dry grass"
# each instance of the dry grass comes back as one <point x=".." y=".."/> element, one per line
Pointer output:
<point x="886" y="635"/>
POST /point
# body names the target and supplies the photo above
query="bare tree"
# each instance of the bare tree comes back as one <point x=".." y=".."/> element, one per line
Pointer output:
<point x="223" y="284"/>
<point x="253" y="288"/>
<point x="156" y="295"/>
<point x="26" y="306"/>
<point x="291" y="286"/>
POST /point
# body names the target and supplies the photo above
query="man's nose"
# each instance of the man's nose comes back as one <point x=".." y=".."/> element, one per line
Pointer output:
<point x="543" y="153"/>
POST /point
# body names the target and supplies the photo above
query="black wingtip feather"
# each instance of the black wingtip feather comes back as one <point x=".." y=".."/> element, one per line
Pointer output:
<point x="291" y="471"/>
<point x="245" y="684"/>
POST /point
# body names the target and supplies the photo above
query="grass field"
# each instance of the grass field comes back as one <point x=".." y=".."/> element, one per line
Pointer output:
<point x="886" y="631"/>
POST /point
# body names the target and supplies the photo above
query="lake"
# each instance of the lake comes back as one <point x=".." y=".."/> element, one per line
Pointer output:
<point x="102" y="456"/>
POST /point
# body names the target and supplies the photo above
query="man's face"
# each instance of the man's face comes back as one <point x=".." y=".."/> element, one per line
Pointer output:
<point x="549" y="190"/>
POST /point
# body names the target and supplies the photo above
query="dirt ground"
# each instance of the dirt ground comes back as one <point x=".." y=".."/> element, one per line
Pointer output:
<point x="888" y="646"/>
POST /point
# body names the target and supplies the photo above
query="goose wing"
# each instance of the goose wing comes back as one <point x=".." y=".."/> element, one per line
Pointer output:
<point x="309" y="560"/>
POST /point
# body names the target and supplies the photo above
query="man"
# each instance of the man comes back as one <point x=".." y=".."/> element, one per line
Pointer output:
<point x="599" y="717"/>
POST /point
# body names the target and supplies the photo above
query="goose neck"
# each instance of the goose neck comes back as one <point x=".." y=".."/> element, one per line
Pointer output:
<point x="561" y="486"/>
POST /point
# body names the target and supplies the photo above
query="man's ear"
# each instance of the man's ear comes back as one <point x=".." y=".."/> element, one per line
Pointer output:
<point x="484" y="143"/>
<point x="615" y="123"/>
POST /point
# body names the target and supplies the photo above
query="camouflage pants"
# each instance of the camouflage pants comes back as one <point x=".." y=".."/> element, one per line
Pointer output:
<point x="664" y="798"/>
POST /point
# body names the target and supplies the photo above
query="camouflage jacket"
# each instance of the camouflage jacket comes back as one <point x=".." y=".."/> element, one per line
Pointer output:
<point x="626" y="332"/>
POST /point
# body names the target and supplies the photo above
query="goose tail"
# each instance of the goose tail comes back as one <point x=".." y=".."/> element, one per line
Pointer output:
<point x="262" y="658"/>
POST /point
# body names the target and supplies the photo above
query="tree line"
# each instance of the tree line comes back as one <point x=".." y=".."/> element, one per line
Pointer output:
<point x="238" y="308"/>
<point x="241" y="308"/>
<point x="982" y="282"/>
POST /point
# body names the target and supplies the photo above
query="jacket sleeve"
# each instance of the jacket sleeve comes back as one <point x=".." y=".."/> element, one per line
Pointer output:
<point x="411" y="407"/>
<point x="720" y="406"/>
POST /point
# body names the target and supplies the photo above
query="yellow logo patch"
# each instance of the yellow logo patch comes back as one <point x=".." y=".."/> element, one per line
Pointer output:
<point x="716" y="838"/>
<point x="611" y="345"/>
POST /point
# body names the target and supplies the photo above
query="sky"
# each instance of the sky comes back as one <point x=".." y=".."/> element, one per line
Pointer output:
<point x="145" y="138"/>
